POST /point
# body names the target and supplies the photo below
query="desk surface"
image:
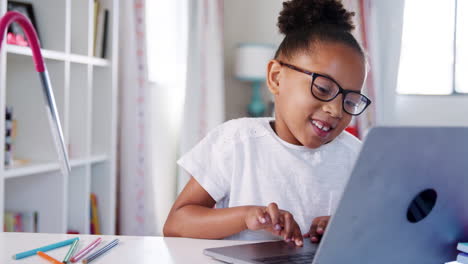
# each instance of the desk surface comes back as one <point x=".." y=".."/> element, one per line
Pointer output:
<point x="130" y="249"/>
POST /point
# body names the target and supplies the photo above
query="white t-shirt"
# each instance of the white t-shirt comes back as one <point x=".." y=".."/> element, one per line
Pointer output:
<point x="244" y="162"/>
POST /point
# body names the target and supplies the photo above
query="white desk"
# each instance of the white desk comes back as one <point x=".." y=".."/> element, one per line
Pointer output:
<point x="130" y="249"/>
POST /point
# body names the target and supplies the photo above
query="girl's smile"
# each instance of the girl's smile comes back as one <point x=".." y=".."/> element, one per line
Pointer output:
<point x="321" y="128"/>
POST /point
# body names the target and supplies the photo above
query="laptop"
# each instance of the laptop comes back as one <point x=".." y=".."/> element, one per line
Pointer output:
<point x="406" y="201"/>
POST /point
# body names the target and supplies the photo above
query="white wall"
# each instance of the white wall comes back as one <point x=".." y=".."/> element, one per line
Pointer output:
<point x="431" y="110"/>
<point x="246" y="21"/>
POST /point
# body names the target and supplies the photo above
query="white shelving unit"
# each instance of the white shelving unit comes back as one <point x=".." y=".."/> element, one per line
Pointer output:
<point x="85" y="89"/>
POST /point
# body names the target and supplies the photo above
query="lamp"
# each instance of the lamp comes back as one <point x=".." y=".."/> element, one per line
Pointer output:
<point x="51" y="108"/>
<point x="251" y="63"/>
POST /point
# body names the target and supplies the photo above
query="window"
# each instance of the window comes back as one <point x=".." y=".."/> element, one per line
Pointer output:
<point x="166" y="25"/>
<point x="434" y="50"/>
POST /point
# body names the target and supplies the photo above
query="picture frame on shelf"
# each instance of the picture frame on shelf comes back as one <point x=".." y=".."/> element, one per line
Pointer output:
<point x="15" y="33"/>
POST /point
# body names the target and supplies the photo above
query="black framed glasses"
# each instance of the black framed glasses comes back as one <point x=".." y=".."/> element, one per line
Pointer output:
<point x="326" y="89"/>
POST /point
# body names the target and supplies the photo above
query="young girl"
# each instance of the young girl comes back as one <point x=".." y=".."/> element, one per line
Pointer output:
<point x="277" y="178"/>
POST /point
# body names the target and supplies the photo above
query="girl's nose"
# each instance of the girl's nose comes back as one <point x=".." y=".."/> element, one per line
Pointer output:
<point x="334" y="107"/>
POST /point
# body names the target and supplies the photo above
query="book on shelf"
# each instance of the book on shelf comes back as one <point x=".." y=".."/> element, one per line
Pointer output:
<point x="105" y="34"/>
<point x="462" y="258"/>
<point x="97" y="7"/>
<point x="21" y="221"/>
<point x="10" y="135"/>
<point x="463" y="247"/>
<point x="95" y="225"/>
<point x="101" y="24"/>
<point x="11" y="130"/>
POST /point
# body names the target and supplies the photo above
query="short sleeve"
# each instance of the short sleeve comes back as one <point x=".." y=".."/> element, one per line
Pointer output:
<point x="210" y="163"/>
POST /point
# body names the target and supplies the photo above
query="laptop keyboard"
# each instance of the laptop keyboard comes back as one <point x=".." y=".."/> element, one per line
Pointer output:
<point x="302" y="258"/>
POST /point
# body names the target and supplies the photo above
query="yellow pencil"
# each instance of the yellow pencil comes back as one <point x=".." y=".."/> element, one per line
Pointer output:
<point x="49" y="258"/>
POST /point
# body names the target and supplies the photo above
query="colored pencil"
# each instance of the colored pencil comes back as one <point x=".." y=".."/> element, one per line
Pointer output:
<point x="86" y="250"/>
<point x="47" y="257"/>
<point x="70" y="251"/>
<point x="101" y="251"/>
<point x="44" y="249"/>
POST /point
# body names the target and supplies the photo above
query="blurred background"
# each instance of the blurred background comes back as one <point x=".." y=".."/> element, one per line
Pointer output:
<point x="179" y="68"/>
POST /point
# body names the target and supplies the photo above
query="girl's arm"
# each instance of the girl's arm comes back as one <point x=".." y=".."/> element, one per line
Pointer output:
<point x="192" y="215"/>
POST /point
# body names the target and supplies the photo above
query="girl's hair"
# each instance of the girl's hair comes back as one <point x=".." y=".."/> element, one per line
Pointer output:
<point x="308" y="22"/>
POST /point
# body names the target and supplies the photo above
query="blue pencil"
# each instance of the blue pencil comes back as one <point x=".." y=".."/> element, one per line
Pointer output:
<point x="45" y="248"/>
<point x="101" y="251"/>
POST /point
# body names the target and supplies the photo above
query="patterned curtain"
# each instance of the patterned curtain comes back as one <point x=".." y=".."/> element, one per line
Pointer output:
<point x="204" y="105"/>
<point x="133" y="126"/>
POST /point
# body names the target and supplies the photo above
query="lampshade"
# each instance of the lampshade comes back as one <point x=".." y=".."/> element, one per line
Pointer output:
<point x="252" y="59"/>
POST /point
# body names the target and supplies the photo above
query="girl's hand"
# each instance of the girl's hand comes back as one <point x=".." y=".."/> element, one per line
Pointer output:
<point x="274" y="220"/>
<point x="317" y="229"/>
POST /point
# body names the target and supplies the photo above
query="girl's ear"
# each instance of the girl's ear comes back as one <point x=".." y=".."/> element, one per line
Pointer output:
<point x="273" y="76"/>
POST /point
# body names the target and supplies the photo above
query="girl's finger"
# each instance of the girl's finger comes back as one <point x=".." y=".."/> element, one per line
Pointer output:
<point x="322" y="224"/>
<point x="260" y="216"/>
<point x="267" y="217"/>
<point x="313" y="231"/>
<point x="289" y="225"/>
<point x="297" y="235"/>
<point x="274" y="214"/>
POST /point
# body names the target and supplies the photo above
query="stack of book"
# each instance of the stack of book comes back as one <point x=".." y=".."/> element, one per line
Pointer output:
<point x="101" y="24"/>
<point x="462" y="257"/>
<point x="21" y="222"/>
<point x="10" y="131"/>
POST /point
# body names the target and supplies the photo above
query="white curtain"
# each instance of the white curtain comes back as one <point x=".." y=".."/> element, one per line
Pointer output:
<point x="182" y="63"/>
<point x="136" y="216"/>
<point x="362" y="123"/>
<point x="204" y="103"/>
<point x="167" y="63"/>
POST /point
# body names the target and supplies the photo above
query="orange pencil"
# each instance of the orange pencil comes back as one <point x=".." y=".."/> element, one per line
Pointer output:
<point x="49" y="258"/>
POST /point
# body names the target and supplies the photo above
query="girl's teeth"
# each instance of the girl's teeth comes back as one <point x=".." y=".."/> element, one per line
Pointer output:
<point x="321" y="126"/>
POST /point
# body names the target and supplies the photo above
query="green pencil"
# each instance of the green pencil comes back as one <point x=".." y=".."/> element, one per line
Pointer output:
<point x="72" y="249"/>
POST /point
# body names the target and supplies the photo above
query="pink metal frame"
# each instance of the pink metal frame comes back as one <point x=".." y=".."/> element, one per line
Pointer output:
<point x="54" y="120"/>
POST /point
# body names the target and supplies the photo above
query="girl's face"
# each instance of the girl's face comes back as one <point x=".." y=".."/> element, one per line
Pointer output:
<point x="298" y="114"/>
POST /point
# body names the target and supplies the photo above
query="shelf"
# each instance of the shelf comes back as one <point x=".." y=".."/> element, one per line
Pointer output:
<point x="42" y="167"/>
<point x="58" y="55"/>
<point x="85" y="91"/>
<point x="98" y="159"/>
<point x="88" y="60"/>
<point x="47" y="54"/>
